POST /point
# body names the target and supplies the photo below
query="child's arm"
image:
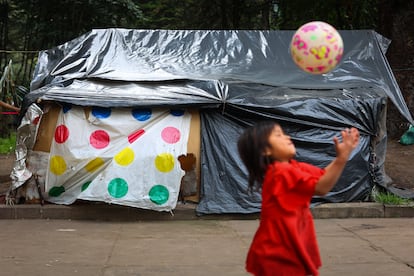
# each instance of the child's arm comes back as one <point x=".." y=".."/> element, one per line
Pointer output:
<point x="350" y="139"/>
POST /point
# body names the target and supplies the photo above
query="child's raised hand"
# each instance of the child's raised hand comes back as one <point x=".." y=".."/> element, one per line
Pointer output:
<point x="350" y="140"/>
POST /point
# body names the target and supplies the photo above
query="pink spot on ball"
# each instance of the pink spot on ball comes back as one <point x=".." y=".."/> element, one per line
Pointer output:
<point x="309" y="28"/>
<point x="99" y="139"/>
<point x="170" y="135"/>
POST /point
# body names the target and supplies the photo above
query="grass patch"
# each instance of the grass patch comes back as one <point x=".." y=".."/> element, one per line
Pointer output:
<point x="391" y="199"/>
<point x="8" y="145"/>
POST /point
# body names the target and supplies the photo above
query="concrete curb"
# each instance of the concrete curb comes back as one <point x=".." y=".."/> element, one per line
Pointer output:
<point x="349" y="210"/>
<point x="108" y="212"/>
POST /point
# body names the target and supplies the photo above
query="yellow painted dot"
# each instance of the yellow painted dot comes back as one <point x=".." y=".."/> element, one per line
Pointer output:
<point x="124" y="157"/>
<point x="57" y="164"/>
<point x="94" y="164"/>
<point x="164" y="162"/>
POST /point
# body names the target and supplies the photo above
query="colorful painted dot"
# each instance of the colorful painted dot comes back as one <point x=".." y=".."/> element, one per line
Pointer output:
<point x="142" y="114"/>
<point x="36" y="120"/>
<point x="66" y="107"/>
<point x="56" y="191"/>
<point x="164" y="162"/>
<point x="177" y="112"/>
<point x="101" y="112"/>
<point x="124" y="157"/>
<point x="170" y="135"/>
<point x="99" y="139"/>
<point x="94" y="164"/>
<point x="61" y="134"/>
<point x="159" y="194"/>
<point x="85" y="185"/>
<point x="57" y="165"/>
<point x="134" y="136"/>
<point x="118" y="188"/>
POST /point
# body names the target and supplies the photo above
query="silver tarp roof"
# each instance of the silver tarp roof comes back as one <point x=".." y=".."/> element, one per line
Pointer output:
<point x="164" y="55"/>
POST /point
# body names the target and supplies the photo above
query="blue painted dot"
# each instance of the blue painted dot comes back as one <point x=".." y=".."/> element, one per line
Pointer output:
<point x="101" y="112"/>
<point x="66" y="107"/>
<point x="177" y="112"/>
<point x="142" y="114"/>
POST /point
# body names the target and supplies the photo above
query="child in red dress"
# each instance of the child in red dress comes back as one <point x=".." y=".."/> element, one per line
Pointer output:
<point x="285" y="242"/>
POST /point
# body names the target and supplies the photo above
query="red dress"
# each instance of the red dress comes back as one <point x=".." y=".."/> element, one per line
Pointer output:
<point x="285" y="242"/>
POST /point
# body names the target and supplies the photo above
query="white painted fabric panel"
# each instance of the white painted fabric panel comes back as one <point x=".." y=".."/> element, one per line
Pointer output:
<point x="123" y="156"/>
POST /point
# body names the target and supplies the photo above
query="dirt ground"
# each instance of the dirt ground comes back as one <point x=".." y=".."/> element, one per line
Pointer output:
<point x="399" y="165"/>
<point x="6" y="166"/>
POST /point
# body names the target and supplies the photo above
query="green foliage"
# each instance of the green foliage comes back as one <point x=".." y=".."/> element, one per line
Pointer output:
<point x="203" y="15"/>
<point x="57" y="21"/>
<point x="390" y="199"/>
<point x="346" y="15"/>
<point x="7" y="145"/>
<point x="29" y="26"/>
<point x="10" y="92"/>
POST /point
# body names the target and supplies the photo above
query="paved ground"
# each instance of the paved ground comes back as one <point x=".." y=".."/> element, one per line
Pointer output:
<point x="137" y="244"/>
<point x="366" y="247"/>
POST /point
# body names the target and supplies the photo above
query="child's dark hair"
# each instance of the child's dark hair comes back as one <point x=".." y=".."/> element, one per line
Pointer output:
<point x="251" y="146"/>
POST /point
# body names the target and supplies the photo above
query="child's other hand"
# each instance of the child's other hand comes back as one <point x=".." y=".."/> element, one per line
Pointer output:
<point x="350" y="140"/>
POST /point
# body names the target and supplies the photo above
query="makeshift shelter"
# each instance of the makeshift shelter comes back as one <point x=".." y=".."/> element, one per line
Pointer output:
<point x="118" y="107"/>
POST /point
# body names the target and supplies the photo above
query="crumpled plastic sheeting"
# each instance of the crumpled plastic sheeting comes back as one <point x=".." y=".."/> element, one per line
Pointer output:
<point x="26" y="137"/>
<point x="251" y="56"/>
<point x="127" y="94"/>
<point x="122" y="156"/>
<point x="312" y="123"/>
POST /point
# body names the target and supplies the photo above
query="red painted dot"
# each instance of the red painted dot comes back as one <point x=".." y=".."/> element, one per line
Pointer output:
<point x="134" y="136"/>
<point x="61" y="134"/>
<point x="99" y="139"/>
<point x="36" y="120"/>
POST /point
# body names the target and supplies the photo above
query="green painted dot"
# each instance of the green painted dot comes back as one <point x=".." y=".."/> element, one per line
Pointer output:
<point x="118" y="187"/>
<point x="85" y="185"/>
<point x="159" y="194"/>
<point x="56" y="191"/>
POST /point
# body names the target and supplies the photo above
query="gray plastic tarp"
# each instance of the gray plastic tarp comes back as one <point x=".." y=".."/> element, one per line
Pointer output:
<point x="312" y="119"/>
<point x="253" y="56"/>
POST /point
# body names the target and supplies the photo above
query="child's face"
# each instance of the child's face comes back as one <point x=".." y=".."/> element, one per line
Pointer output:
<point x="281" y="147"/>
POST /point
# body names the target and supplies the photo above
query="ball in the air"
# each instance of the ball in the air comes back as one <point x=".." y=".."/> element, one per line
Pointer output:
<point x="316" y="47"/>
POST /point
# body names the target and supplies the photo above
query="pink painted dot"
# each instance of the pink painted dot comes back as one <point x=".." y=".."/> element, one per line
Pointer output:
<point x="61" y="134"/>
<point x="170" y="135"/>
<point x="99" y="139"/>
